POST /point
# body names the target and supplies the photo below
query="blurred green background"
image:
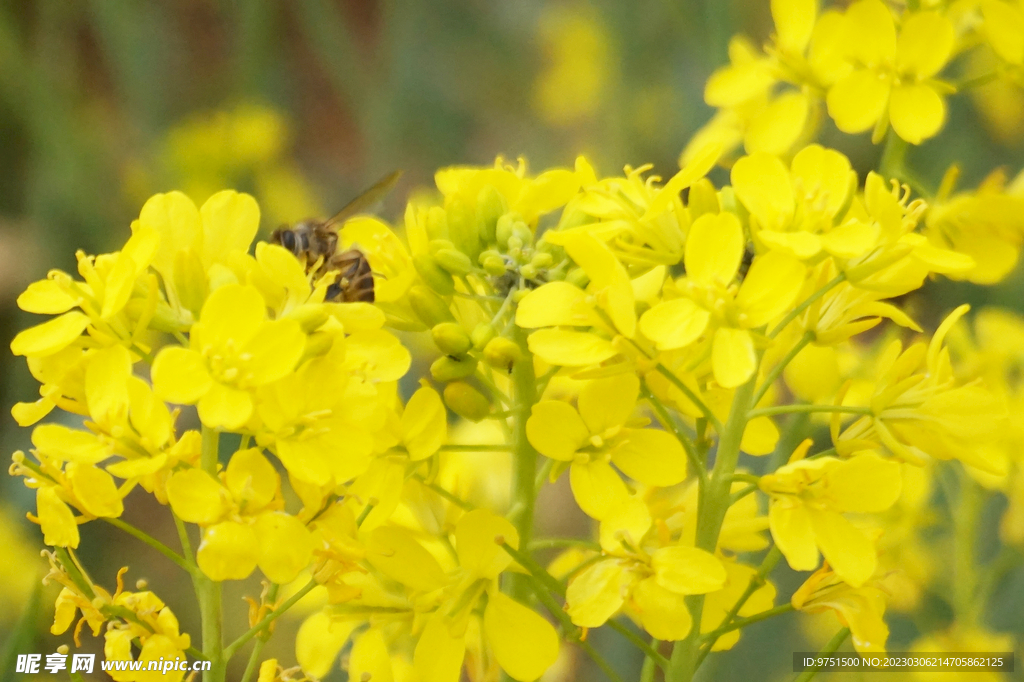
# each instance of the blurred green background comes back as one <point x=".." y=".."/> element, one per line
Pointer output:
<point x="305" y="102"/>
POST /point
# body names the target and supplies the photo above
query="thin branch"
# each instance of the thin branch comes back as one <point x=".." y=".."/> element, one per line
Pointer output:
<point x="149" y="540"/>
<point x="796" y="312"/>
<point x="669" y="423"/>
<point x="230" y="650"/>
<point x="778" y="369"/>
<point x="691" y="396"/>
<point x="792" y="409"/>
<point x="830" y="648"/>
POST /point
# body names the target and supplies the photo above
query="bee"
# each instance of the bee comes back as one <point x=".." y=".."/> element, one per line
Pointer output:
<point x="315" y="243"/>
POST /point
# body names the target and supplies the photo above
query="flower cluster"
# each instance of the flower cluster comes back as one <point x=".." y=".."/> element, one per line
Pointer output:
<point x="655" y="341"/>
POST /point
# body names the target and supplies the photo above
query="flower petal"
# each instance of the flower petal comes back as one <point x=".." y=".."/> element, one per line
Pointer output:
<point x="438" y="655"/>
<point x="651" y="456"/>
<point x="608" y="402"/>
<point x="687" y="570"/>
<point x="675" y="323"/>
<point x="791" y="529"/>
<point x="556" y="429"/>
<point x="857" y="100"/>
<point x="597" y="488"/>
<point x="849" y="552"/>
<point x="714" y="247"/>
<point x="916" y="112"/>
<point x="570" y="348"/>
<point x="762" y="184"/>
<point x="732" y="357"/>
<point x="49" y="337"/>
<point x="553" y="304"/>
<point x="180" y="375"/>
<point x="225" y="407"/>
<point x="524" y="644"/>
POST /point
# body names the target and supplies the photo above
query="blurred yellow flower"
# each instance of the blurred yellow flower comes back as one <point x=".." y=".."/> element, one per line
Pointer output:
<point x="579" y="64"/>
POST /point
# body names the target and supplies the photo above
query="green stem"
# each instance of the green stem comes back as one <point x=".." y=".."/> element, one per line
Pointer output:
<point x="460" y="503"/>
<point x="669" y="423"/>
<point x="778" y="369"/>
<point x="149" y="540"/>
<point x="711" y="513"/>
<point x="209" y="594"/>
<point x="893" y="155"/>
<point x="230" y="650"/>
<point x="965" y="521"/>
<point x="768" y="564"/>
<point x="691" y="396"/>
<point x="650" y="666"/>
<point x="749" y="620"/>
<point x="797" y="311"/>
<point x="524" y="471"/>
<point x="547" y="581"/>
<point x="976" y="81"/>
<point x="792" y="409"/>
<point x="830" y="648"/>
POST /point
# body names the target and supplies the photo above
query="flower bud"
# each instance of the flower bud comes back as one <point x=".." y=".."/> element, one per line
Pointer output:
<point x="455" y="262"/>
<point x="437" y="223"/>
<point x="436" y="245"/>
<point x="577" y="277"/>
<point x="436" y="277"/>
<point x="309" y="317"/>
<point x="503" y="228"/>
<point x="449" y="369"/>
<point x="490" y="206"/>
<point x="494" y="265"/>
<point x="528" y="271"/>
<point x="428" y="306"/>
<point x="703" y="198"/>
<point x="502" y="353"/>
<point x="521" y="230"/>
<point x="482" y="333"/>
<point x="489" y="253"/>
<point x="542" y="260"/>
<point x="466" y="401"/>
<point x="462" y="227"/>
<point x="451" y="338"/>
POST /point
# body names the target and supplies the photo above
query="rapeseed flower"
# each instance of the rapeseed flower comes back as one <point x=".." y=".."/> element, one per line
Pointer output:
<point x="893" y="76"/>
<point x="808" y="500"/>
<point x="601" y="432"/>
<point x="233" y="349"/>
<point x="708" y="302"/>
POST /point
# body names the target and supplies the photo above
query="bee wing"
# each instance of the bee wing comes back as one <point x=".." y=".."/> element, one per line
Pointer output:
<point x="366" y="200"/>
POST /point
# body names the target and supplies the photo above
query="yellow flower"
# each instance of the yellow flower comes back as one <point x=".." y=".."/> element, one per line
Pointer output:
<point x="242" y="520"/>
<point x="808" y="500"/>
<point x="648" y="576"/>
<point x="893" y="76"/>
<point x="446" y="603"/>
<point x="200" y="249"/>
<point x="919" y="410"/>
<point x="607" y="305"/>
<point x="233" y="349"/>
<point x="963" y="638"/>
<point x="986" y="224"/>
<point x="709" y="302"/>
<point x="327" y="435"/>
<point x="579" y="64"/>
<point x="859" y="608"/>
<point x="799" y="210"/>
<point x="102" y="300"/>
<point x="600" y="433"/>
<point x="769" y="102"/>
